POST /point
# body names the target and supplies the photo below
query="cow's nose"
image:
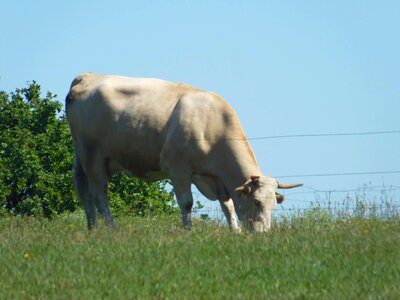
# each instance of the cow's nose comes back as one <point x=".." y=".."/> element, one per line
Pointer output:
<point x="260" y="227"/>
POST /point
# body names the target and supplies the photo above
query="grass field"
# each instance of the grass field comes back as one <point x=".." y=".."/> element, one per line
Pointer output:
<point x="306" y="257"/>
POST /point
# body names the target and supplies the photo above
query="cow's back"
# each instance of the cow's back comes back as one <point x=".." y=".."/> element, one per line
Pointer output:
<point x="100" y="104"/>
<point x="123" y="117"/>
<point x="137" y="121"/>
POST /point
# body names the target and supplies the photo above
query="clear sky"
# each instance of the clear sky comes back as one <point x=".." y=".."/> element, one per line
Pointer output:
<point x="287" y="67"/>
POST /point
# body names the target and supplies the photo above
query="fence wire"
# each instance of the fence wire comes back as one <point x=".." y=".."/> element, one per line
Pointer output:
<point x="365" y="201"/>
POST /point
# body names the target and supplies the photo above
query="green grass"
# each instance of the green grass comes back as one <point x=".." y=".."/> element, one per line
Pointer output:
<point x="305" y="257"/>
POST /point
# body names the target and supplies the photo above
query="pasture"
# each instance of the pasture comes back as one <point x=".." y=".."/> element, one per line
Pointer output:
<point x="309" y="256"/>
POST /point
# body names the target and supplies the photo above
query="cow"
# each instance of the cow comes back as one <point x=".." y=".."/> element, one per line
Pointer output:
<point x="154" y="129"/>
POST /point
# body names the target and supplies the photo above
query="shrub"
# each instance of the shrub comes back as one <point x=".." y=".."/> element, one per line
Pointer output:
<point x="35" y="154"/>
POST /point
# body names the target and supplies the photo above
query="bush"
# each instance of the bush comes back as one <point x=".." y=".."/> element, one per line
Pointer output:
<point x="35" y="154"/>
<point x="131" y="196"/>
<point x="36" y="157"/>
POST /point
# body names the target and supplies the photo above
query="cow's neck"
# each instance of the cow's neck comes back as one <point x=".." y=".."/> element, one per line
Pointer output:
<point x="241" y="162"/>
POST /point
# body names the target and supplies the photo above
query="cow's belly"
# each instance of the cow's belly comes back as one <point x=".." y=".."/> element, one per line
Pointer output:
<point x="140" y="166"/>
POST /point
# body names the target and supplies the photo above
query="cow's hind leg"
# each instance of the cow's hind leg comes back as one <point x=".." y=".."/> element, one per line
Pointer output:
<point x="98" y="192"/>
<point x="81" y="183"/>
<point x="184" y="197"/>
<point x="98" y="184"/>
<point x="93" y="184"/>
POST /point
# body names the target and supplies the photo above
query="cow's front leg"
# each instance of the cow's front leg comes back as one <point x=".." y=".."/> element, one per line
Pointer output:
<point x="229" y="211"/>
<point x="183" y="192"/>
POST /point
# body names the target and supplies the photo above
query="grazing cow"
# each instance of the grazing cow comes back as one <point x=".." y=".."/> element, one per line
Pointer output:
<point x="155" y="129"/>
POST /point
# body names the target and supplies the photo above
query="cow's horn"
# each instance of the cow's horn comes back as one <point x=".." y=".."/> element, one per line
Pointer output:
<point x="282" y="185"/>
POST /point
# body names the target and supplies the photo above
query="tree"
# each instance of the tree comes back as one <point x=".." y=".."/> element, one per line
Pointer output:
<point x="36" y="157"/>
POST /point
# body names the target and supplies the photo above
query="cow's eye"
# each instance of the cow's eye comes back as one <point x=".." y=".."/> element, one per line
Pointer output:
<point x="257" y="203"/>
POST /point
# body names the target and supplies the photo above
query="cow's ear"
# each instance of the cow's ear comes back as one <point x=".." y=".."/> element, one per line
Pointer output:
<point x="279" y="198"/>
<point x="242" y="190"/>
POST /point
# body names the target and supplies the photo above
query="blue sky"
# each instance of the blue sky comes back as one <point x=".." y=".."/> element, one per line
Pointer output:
<point x="287" y="67"/>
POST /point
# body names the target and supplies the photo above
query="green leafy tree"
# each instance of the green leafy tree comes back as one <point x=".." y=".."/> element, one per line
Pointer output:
<point x="36" y="157"/>
<point x="130" y="196"/>
<point x="35" y="154"/>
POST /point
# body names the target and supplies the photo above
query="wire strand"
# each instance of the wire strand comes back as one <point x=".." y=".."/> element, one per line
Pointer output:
<point x="270" y="137"/>
<point x="324" y="135"/>
<point x="339" y="174"/>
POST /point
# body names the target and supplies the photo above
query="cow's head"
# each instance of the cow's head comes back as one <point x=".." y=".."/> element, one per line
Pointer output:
<point x="257" y="200"/>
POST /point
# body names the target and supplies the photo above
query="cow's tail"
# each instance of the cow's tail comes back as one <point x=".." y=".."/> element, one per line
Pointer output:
<point x="80" y="179"/>
<point x="68" y="101"/>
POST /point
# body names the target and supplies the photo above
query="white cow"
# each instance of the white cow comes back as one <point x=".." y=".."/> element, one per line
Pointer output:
<point x="156" y="129"/>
